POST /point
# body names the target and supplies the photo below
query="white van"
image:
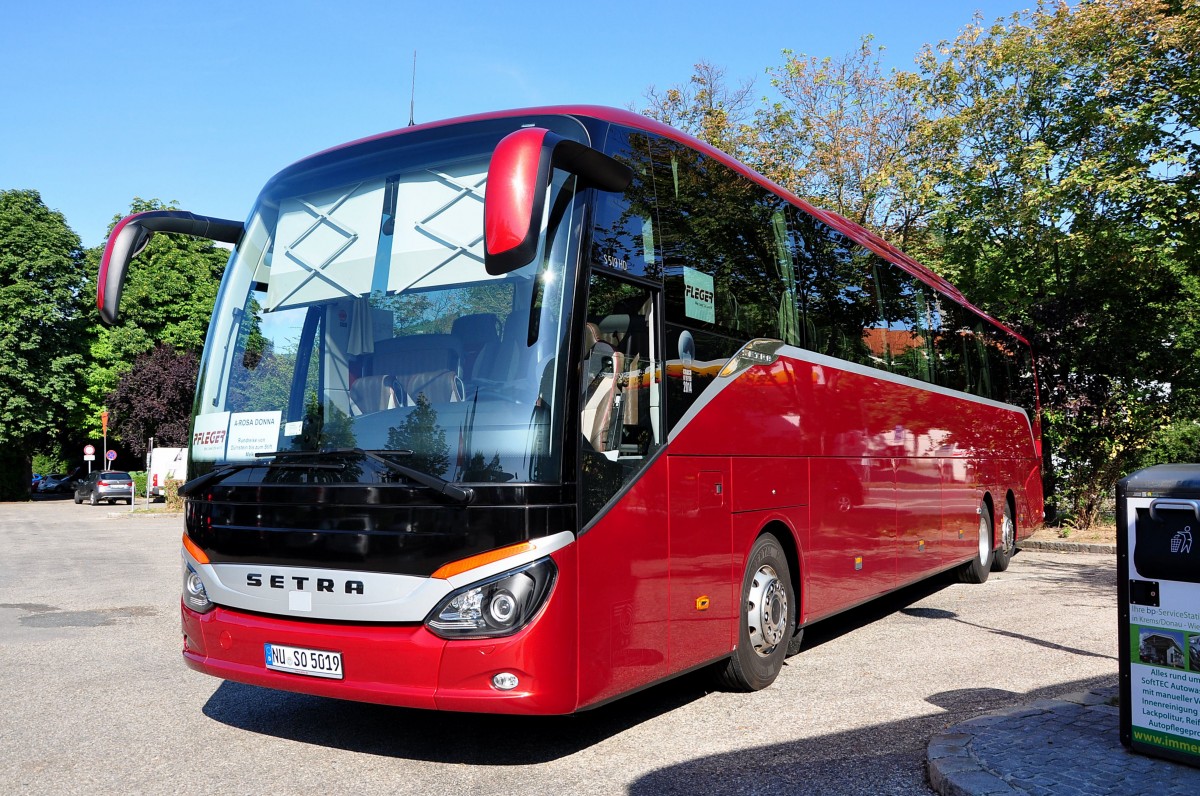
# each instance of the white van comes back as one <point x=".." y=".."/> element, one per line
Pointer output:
<point x="165" y="464"/>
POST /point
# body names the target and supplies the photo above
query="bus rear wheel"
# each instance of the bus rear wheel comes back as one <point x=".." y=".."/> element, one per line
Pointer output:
<point x="976" y="570"/>
<point x="1008" y="540"/>
<point x="766" y="619"/>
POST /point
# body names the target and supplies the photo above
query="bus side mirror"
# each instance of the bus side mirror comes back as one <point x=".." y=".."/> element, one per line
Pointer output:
<point x="130" y="236"/>
<point x="518" y="176"/>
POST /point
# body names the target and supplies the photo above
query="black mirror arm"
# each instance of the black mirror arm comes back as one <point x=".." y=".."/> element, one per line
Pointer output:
<point x="130" y="236"/>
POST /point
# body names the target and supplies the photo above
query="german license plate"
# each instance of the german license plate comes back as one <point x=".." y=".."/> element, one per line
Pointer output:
<point x="298" y="660"/>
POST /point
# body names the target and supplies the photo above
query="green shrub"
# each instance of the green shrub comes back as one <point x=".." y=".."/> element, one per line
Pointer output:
<point x="48" y="463"/>
<point x="1174" y="444"/>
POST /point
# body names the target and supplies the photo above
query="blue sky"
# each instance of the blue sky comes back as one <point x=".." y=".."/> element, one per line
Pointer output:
<point x="202" y="102"/>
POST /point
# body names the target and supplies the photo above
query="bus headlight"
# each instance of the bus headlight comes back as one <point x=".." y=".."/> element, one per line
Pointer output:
<point x="194" y="594"/>
<point x="498" y="606"/>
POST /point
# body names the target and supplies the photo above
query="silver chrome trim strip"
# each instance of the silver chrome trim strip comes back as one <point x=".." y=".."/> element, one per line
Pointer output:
<point x="822" y="360"/>
<point x="385" y="597"/>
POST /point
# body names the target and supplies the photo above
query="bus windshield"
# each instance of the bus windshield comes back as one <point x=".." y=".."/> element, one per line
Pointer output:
<point x="356" y="313"/>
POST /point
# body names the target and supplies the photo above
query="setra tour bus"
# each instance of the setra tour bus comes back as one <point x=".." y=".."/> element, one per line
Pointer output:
<point x="523" y="412"/>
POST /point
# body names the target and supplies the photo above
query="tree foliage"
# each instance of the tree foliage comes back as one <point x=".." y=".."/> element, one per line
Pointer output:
<point x="154" y="399"/>
<point x="707" y="107"/>
<point x="1048" y="164"/>
<point x="842" y="136"/>
<point x="41" y="276"/>
<point x="1066" y="149"/>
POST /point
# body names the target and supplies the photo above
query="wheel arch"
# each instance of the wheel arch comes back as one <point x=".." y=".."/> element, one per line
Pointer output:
<point x="1009" y="500"/>
<point x="991" y="507"/>
<point x="786" y="537"/>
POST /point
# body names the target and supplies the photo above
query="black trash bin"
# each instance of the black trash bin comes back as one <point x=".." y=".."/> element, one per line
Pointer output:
<point x="1158" y="584"/>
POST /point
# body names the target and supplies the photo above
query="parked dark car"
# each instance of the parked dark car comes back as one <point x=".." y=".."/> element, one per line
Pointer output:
<point x="58" y="482"/>
<point x="110" y="485"/>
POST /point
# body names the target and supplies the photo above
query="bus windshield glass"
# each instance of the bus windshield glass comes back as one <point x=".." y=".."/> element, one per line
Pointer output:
<point x="356" y="313"/>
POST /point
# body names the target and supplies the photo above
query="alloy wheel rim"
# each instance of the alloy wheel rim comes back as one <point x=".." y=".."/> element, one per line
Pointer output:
<point x="985" y="538"/>
<point x="767" y="611"/>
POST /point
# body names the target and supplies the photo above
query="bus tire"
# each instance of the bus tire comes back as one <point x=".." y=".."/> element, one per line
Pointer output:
<point x="976" y="570"/>
<point x="796" y="642"/>
<point x="766" y="619"/>
<point x="1008" y="540"/>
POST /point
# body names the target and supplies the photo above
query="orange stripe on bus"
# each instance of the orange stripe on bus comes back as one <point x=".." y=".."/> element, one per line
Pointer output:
<point x="198" y="554"/>
<point x="464" y="564"/>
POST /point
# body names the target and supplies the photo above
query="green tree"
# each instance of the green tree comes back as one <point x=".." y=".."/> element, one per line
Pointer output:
<point x="1065" y="149"/>
<point x="41" y="278"/>
<point x="842" y="135"/>
<point x="1178" y="442"/>
<point x="168" y="298"/>
<point x="708" y="108"/>
<point x="154" y="399"/>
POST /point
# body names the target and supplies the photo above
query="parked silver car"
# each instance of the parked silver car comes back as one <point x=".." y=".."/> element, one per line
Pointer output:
<point x="110" y="485"/>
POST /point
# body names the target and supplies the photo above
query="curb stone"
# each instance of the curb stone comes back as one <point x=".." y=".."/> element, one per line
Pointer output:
<point x="1067" y="547"/>
<point x="1068" y="745"/>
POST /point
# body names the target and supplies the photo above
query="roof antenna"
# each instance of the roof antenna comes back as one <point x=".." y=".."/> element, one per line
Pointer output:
<point x="412" y="99"/>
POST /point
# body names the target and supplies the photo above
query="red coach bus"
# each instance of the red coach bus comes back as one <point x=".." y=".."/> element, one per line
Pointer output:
<point x="526" y="411"/>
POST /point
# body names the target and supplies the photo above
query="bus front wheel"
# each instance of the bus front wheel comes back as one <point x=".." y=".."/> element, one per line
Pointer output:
<point x="766" y="619"/>
<point x="976" y="570"/>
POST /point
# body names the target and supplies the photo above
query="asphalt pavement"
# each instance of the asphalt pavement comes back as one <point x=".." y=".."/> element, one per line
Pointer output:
<point x="96" y="698"/>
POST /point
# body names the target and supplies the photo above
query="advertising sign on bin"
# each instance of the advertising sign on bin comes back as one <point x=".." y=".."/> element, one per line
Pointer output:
<point x="1158" y="553"/>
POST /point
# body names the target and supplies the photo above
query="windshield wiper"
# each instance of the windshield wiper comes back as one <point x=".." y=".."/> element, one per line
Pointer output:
<point x="219" y="473"/>
<point x="461" y="494"/>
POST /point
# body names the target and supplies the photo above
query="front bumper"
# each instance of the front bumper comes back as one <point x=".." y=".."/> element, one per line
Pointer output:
<point x="403" y="665"/>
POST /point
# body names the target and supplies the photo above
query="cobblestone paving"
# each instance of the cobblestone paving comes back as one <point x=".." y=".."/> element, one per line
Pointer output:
<point x="1053" y="747"/>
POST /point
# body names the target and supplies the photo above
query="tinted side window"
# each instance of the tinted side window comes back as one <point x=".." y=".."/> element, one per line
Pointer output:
<point x="908" y="321"/>
<point x="724" y="237"/>
<point x="624" y="236"/>
<point x="837" y="295"/>
<point x="1011" y="365"/>
<point x="1023" y="392"/>
<point x="1001" y="361"/>
<point x="962" y="351"/>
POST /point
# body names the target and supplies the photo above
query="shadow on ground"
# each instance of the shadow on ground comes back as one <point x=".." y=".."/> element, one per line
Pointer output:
<point x="884" y="758"/>
<point x="459" y="738"/>
<point x="486" y="740"/>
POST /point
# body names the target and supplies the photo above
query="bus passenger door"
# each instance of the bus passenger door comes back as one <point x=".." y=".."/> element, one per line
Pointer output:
<point x="702" y="600"/>
<point x="623" y="548"/>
